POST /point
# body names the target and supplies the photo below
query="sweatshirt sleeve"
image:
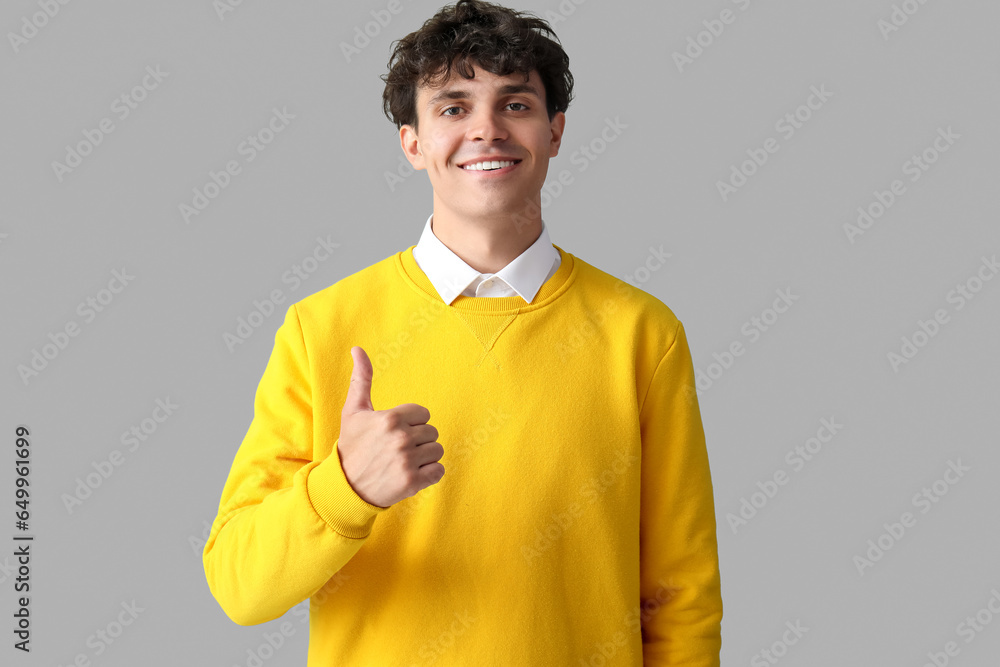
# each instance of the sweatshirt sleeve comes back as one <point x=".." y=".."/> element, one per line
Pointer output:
<point x="286" y="523"/>
<point x="680" y="591"/>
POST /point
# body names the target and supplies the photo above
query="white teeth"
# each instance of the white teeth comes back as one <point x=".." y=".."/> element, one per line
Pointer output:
<point x="486" y="166"/>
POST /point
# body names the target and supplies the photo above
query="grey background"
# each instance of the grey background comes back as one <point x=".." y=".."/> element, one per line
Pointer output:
<point x="138" y="536"/>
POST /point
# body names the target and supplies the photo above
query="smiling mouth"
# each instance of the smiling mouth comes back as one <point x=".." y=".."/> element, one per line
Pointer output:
<point x="487" y="165"/>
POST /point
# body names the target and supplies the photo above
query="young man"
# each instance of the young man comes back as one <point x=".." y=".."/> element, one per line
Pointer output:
<point x="575" y="524"/>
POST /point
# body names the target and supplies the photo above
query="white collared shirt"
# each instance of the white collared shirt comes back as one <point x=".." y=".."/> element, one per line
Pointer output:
<point x="451" y="276"/>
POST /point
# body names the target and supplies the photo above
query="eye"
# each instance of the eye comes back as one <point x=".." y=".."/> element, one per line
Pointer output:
<point x="445" y="112"/>
<point x="521" y="104"/>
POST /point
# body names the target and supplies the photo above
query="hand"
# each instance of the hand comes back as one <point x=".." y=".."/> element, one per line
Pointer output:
<point x="387" y="455"/>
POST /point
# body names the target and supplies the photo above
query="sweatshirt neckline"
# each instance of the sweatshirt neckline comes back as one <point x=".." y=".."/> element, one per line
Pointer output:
<point x="550" y="290"/>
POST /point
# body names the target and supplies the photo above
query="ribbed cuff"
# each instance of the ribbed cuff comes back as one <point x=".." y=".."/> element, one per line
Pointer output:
<point x="336" y="501"/>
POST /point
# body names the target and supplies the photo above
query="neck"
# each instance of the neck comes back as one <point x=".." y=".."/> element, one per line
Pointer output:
<point x="487" y="244"/>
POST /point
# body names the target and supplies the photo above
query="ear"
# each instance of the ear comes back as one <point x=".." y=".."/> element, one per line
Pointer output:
<point x="557" y="126"/>
<point x="410" y="143"/>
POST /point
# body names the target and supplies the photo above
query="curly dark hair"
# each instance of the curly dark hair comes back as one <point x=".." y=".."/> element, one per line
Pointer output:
<point x="497" y="39"/>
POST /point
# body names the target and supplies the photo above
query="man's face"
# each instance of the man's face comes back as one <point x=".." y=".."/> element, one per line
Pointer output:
<point x="465" y="121"/>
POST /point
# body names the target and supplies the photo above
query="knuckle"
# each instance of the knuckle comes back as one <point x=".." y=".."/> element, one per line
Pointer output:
<point x="391" y="420"/>
<point x="400" y="439"/>
<point x="409" y="478"/>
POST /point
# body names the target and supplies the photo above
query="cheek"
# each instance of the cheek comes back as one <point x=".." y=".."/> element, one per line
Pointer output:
<point x="439" y="143"/>
<point x="538" y="144"/>
<point x="446" y="145"/>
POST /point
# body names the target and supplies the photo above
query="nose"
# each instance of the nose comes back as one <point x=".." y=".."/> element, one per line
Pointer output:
<point x="487" y="125"/>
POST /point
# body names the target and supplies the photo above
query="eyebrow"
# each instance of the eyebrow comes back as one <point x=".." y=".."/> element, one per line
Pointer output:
<point x="509" y="89"/>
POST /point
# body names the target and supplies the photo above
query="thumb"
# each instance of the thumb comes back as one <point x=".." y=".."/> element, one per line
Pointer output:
<point x="359" y="393"/>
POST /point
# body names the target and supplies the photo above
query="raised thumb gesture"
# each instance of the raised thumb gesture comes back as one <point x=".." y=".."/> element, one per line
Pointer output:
<point x="387" y="455"/>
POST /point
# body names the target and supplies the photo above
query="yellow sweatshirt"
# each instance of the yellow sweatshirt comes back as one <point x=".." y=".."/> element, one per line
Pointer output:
<point x="574" y="525"/>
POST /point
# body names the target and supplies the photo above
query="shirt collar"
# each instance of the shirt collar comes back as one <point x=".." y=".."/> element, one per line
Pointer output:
<point x="450" y="275"/>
